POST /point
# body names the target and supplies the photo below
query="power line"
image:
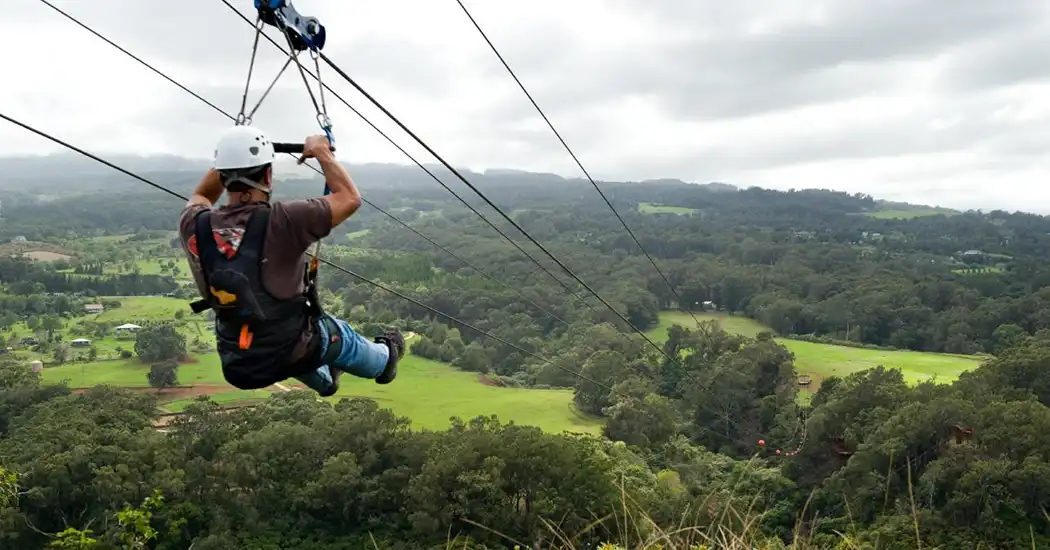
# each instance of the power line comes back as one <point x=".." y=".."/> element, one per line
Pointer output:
<point x="576" y="159"/>
<point x="361" y="278"/>
<point x="419" y="164"/>
<point x="231" y="117"/>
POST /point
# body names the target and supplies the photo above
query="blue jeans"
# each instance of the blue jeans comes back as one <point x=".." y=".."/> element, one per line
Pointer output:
<point x="358" y="357"/>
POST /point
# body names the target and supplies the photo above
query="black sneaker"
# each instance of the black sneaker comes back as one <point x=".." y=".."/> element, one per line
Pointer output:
<point x="396" y="342"/>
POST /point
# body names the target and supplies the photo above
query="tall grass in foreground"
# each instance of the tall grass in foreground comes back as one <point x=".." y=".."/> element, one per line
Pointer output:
<point x="728" y="528"/>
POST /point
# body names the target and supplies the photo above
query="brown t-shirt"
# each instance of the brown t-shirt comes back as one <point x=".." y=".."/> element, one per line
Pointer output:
<point x="294" y="226"/>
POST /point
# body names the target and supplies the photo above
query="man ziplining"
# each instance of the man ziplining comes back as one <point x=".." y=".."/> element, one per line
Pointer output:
<point x="248" y="258"/>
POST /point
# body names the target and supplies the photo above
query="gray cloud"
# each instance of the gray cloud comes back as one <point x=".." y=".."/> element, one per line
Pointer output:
<point x="762" y="72"/>
<point x="1000" y="60"/>
<point x="721" y="71"/>
<point x="205" y="38"/>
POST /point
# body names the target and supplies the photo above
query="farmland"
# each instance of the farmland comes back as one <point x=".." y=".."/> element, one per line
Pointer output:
<point x="428" y="392"/>
<point x="652" y="208"/>
<point x="822" y="360"/>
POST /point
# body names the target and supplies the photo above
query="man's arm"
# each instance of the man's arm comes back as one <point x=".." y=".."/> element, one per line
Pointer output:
<point x="345" y="198"/>
<point x="208" y="190"/>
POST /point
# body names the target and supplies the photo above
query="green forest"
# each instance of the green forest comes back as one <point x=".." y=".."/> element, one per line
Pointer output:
<point x="809" y="369"/>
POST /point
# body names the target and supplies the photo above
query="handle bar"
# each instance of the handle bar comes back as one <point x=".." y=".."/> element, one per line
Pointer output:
<point x="295" y="148"/>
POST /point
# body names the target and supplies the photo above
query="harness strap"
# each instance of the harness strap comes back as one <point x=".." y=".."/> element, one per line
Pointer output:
<point x="209" y="253"/>
<point x="310" y="281"/>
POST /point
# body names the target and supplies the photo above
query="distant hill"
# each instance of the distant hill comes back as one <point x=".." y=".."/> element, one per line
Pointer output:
<point x="71" y="172"/>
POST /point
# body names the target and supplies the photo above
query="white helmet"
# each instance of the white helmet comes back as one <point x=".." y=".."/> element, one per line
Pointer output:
<point x="243" y="147"/>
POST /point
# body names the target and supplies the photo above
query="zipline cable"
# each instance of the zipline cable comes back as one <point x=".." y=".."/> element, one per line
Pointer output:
<point x="701" y="387"/>
<point x="509" y="219"/>
<point x="499" y="210"/>
<point x="557" y="134"/>
<point x="466" y="182"/>
<point x="366" y="201"/>
<point x="568" y="149"/>
<point x="420" y="165"/>
<point x="357" y="276"/>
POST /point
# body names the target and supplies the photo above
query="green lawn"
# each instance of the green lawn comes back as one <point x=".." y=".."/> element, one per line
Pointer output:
<point x="145" y="308"/>
<point x="978" y="270"/>
<point x="155" y="266"/>
<point x="652" y="208"/>
<point x="132" y="373"/>
<point x="826" y="360"/>
<point x="430" y="393"/>
<point x="136" y="310"/>
<point x="233" y="397"/>
<point x="426" y="391"/>
<point x="909" y="214"/>
<point x="730" y="323"/>
<point x="822" y="360"/>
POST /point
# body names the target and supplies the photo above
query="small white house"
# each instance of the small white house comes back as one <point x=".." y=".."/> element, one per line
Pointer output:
<point x="80" y="343"/>
<point x="127" y="329"/>
<point x="36" y="366"/>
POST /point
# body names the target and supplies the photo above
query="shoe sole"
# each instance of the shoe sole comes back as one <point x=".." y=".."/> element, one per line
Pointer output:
<point x="390" y="373"/>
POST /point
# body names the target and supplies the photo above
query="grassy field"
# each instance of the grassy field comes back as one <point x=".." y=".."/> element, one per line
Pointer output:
<point x="909" y="214"/>
<point x="136" y="309"/>
<point x="426" y="391"/>
<point x="978" y="270"/>
<point x="823" y="360"/>
<point x="651" y="208"/>
<point x="232" y="397"/>
<point x="144" y="308"/>
<point x="730" y="323"/>
<point x="130" y="373"/>
<point x="430" y="393"/>
<point x="154" y="266"/>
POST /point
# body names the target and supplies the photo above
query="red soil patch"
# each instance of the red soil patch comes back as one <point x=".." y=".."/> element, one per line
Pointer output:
<point x="488" y="381"/>
<point x="176" y="393"/>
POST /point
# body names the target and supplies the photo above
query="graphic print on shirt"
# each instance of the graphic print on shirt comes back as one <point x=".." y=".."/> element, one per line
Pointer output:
<point x="228" y="241"/>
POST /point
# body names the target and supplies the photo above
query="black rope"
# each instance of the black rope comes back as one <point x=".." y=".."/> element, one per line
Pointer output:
<point x="460" y="176"/>
<point x="136" y="58"/>
<point x="361" y="278"/>
<point x="489" y="202"/>
<point x="568" y="149"/>
<point x="420" y="165"/>
<point x="343" y="74"/>
<point x="366" y="201"/>
<point x="92" y="157"/>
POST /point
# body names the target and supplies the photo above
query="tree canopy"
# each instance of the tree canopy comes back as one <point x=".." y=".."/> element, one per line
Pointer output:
<point x="869" y="459"/>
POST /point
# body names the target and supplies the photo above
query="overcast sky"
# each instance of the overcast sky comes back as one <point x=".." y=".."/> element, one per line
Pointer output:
<point x="931" y="101"/>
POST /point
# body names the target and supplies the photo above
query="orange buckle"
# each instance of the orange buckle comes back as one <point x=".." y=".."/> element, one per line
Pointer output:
<point x="246" y="337"/>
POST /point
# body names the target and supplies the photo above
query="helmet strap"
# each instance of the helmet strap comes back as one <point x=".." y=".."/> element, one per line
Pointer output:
<point x="245" y="177"/>
<point x="248" y="182"/>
